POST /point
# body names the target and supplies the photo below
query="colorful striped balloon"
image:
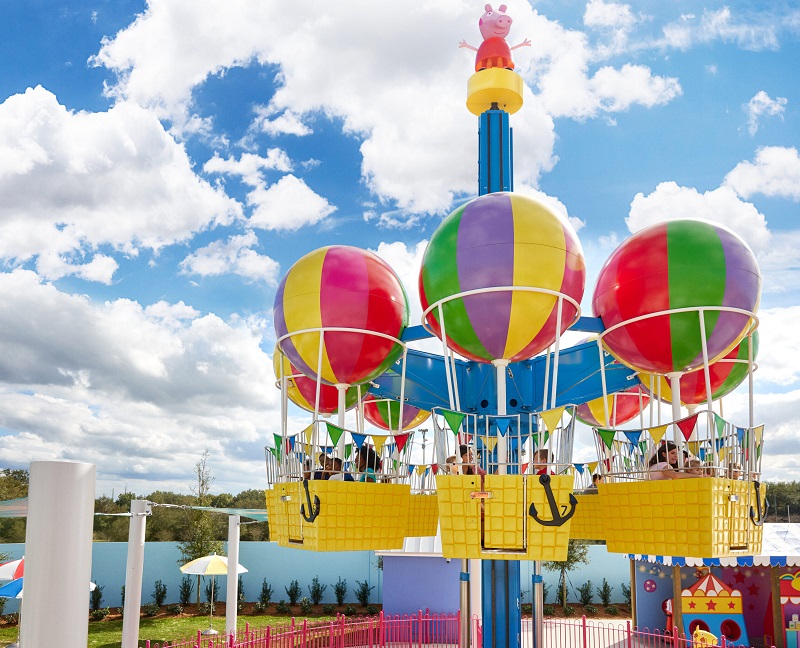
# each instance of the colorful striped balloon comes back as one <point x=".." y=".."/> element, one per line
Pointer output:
<point x="341" y="287"/>
<point x="385" y="414"/>
<point x="501" y="240"/>
<point x="302" y="390"/>
<point x="673" y="265"/>
<point x="726" y="374"/>
<point x="622" y="407"/>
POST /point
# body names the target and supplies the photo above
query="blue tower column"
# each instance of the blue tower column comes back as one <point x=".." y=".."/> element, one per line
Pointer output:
<point x="488" y="90"/>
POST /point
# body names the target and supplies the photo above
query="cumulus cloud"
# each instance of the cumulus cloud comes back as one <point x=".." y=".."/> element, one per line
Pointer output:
<point x="670" y="201"/>
<point x="760" y="105"/>
<point x="233" y="256"/>
<point x="750" y="31"/>
<point x="122" y="383"/>
<point x="289" y="204"/>
<point x="73" y="181"/>
<point x="775" y="172"/>
<point x="615" y="20"/>
<point x="368" y="66"/>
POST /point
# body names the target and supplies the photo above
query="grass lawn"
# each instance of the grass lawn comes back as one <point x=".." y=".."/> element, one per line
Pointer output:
<point x="108" y="633"/>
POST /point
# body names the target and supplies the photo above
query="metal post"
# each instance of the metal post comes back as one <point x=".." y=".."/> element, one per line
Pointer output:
<point x="232" y="593"/>
<point x="140" y="509"/>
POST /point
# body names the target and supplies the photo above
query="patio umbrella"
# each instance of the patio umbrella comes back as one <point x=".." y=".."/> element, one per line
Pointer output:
<point x="212" y="565"/>
<point x="13" y="569"/>
<point x="12" y="589"/>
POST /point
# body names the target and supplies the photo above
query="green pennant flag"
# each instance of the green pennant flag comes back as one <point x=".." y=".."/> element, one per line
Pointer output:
<point x="607" y="436"/>
<point x="719" y="422"/>
<point x="627" y="462"/>
<point x="278" y="443"/>
<point x="535" y="438"/>
<point x="643" y="446"/>
<point x="334" y="432"/>
<point x="454" y="419"/>
<point x="348" y="449"/>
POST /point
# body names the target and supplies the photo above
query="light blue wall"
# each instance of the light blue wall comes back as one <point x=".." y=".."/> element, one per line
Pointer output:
<point x="280" y="566"/>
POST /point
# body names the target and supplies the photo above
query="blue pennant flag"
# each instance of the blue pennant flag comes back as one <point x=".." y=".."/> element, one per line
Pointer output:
<point x="502" y="425"/>
<point x="633" y="436"/>
<point x="359" y="439"/>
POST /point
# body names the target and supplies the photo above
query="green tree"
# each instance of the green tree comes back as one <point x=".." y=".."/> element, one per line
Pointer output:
<point x="13" y="485"/>
<point x="577" y="553"/>
<point x="201" y="541"/>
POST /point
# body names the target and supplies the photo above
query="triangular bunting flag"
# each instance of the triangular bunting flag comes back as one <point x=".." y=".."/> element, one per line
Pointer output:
<point x="643" y="447"/>
<point x="359" y="439"/>
<point x="401" y="440"/>
<point x="502" y="425"/>
<point x="633" y="436"/>
<point x="552" y="418"/>
<point x="411" y="469"/>
<point x="454" y="419"/>
<point x="759" y="432"/>
<point x="379" y="440"/>
<point x="421" y="470"/>
<point x="579" y="467"/>
<point x="289" y="444"/>
<point x="718" y="443"/>
<point x="592" y="466"/>
<point x="686" y="426"/>
<point x="536" y="440"/>
<point x="657" y="433"/>
<point x="334" y="432"/>
<point x="490" y="442"/>
<point x="719" y="423"/>
<point x="607" y="436"/>
<point x="435" y="469"/>
<point x="723" y="453"/>
<point x="627" y="462"/>
<point x="740" y="435"/>
<point x="694" y="447"/>
<point x="701" y="454"/>
<point x="389" y="447"/>
<point x="278" y="444"/>
<point x="308" y="433"/>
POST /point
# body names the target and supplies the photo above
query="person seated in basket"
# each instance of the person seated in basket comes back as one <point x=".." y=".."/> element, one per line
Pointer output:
<point x="695" y="466"/>
<point x="337" y="471"/>
<point x="451" y="463"/>
<point x="540" y="460"/>
<point x="468" y="466"/>
<point x="597" y="478"/>
<point x="368" y="464"/>
<point x="664" y="463"/>
<point x="734" y="471"/>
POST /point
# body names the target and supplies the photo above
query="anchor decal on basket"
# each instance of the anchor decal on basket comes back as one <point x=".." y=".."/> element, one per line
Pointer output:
<point x="558" y="518"/>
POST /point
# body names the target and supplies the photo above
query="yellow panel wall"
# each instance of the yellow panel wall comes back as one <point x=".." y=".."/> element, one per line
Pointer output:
<point x="423" y="515"/>
<point x="493" y="521"/>
<point x="707" y="517"/>
<point x="352" y="516"/>
<point x="587" y="523"/>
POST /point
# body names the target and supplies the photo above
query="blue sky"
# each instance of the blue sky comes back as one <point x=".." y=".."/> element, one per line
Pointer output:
<point x="163" y="164"/>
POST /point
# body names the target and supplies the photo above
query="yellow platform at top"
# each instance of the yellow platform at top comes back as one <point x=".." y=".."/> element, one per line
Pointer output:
<point x="706" y="517"/>
<point x="351" y="516"/>
<point x="494" y="86"/>
<point x="492" y="521"/>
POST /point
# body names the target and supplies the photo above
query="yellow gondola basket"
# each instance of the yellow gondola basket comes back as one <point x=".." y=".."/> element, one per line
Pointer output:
<point x="423" y="515"/>
<point x="706" y="517"/>
<point x="324" y="515"/>
<point x="587" y="523"/>
<point x="493" y="517"/>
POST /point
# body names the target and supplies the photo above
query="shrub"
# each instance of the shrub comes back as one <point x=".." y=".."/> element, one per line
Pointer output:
<point x="316" y="590"/>
<point x="212" y="589"/>
<point x="159" y="593"/>
<point x="527" y="608"/>
<point x="150" y="610"/>
<point x="585" y="593"/>
<point x="626" y="593"/>
<point x="604" y="592"/>
<point x="12" y="619"/>
<point x="350" y="610"/>
<point x="96" y="598"/>
<point x="293" y="592"/>
<point x="340" y="591"/>
<point x="591" y="609"/>
<point x="122" y="593"/>
<point x="185" y="590"/>
<point x="363" y="592"/>
<point x="205" y="608"/>
<point x="569" y="610"/>
<point x="548" y="610"/>
<point x="305" y="606"/>
<point x="328" y="608"/>
<point x="545" y="592"/>
<point x="240" y="589"/>
<point x="175" y="608"/>
<point x="259" y="607"/>
<point x="612" y="609"/>
<point x="98" y="614"/>
<point x="2" y="605"/>
<point x="283" y="607"/>
<point x="372" y="610"/>
<point x="266" y="594"/>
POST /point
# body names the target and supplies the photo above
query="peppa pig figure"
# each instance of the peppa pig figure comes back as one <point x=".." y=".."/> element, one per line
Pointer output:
<point x="494" y="52"/>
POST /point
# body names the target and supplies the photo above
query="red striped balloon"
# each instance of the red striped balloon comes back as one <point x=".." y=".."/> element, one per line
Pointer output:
<point x="385" y="414"/>
<point x="622" y="407"/>
<point x="341" y="287"/>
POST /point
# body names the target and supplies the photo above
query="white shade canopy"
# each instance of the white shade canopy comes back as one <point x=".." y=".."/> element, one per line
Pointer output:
<point x="212" y="565"/>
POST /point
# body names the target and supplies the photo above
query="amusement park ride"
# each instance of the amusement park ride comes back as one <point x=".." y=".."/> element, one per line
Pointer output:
<point x="501" y="280"/>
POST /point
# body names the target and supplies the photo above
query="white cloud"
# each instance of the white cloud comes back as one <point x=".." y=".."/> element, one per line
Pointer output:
<point x="775" y="172"/>
<point x="762" y="104"/>
<point x="614" y="19"/>
<point x="122" y="385"/>
<point x="289" y="204"/>
<point x="670" y="201"/>
<point x="234" y="256"/>
<point x="750" y="31"/>
<point x="368" y="66"/>
<point x="100" y="269"/>
<point x="74" y="181"/>
<point x="250" y="167"/>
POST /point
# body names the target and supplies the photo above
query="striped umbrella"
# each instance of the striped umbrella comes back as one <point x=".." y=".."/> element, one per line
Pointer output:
<point x="13" y="569"/>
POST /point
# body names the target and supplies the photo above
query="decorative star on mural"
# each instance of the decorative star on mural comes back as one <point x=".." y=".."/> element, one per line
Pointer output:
<point x="731" y="605"/>
<point x="751" y="607"/>
<point x="753" y="589"/>
<point x="649" y="586"/>
<point x="692" y="605"/>
<point x="739" y="577"/>
<point x="711" y="605"/>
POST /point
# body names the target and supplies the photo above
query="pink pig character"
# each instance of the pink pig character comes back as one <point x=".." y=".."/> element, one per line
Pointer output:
<point x="494" y="51"/>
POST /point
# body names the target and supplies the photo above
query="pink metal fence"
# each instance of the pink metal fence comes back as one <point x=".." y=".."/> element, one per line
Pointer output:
<point x="422" y="629"/>
<point x="435" y="631"/>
